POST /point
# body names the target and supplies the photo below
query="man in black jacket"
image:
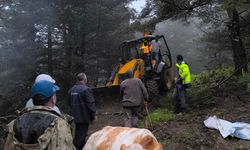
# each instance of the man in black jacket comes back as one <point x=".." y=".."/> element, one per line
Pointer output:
<point x="82" y="108"/>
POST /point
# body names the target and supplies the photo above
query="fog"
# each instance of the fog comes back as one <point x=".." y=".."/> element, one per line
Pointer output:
<point x="184" y="38"/>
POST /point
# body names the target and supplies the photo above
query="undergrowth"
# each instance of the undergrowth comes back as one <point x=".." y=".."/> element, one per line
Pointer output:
<point x="205" y="87"/>
<point x="204" y="83"/>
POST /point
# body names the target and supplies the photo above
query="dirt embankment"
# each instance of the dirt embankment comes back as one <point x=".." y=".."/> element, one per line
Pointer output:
<point x="189" y="132"/>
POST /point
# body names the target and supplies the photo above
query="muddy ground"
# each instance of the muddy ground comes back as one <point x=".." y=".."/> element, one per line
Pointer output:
<point x="109" y="113"/>
<point x="187" y="131"/>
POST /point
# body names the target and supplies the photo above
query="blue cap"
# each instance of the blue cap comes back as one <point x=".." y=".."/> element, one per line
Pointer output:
<point x="44" y="88"/>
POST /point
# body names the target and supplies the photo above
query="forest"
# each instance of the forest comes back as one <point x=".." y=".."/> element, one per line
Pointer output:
<point x="63" y="38"/>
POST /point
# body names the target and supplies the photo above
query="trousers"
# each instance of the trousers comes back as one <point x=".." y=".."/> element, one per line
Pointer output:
<point x="81" y="131"/>
<point x="131" y="115"/>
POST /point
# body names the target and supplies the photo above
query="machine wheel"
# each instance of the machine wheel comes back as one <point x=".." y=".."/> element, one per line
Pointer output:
<point x="163" y="82"/>
<point x="153" y="89"/>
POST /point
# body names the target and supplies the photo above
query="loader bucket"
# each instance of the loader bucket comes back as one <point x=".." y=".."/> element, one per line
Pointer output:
<point x="108" y="107"/>
<point x="106" y="91"/>
<point x="107" y="97"/>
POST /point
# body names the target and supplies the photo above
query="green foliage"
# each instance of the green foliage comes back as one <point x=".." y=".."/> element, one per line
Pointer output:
<point x="231" y="4"/>
<point x="160" y="115"/>
<point x="167" y="101"/>
<point x="204" y="87"/>
<point x="244" y="80"/>
<point x="203" y="83"/>
<point x="210" y="76"/>
<point x="242" y="148"/>
<point x="157" y="116"/>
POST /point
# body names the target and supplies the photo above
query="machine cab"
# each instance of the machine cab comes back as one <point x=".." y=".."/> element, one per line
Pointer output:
<point x="142" y="49"/>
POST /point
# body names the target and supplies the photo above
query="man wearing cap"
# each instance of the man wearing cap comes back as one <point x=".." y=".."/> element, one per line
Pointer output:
<point x="82" y="108"/>
<point x="41" y="77"/>
<point x="40" y="127"/>
<point x="133" y="94"/>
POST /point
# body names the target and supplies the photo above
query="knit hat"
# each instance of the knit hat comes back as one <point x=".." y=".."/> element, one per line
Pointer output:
<point x="46" y="77"/>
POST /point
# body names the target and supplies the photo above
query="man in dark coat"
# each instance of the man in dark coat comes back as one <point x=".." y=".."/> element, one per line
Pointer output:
<point x="82" y="108"/>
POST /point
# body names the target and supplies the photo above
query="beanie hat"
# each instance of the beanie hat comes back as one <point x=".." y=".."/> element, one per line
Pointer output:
<point x="46" y="77"/>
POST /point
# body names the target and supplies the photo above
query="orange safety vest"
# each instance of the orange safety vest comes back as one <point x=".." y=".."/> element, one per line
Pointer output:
<point x="146" y="49"/>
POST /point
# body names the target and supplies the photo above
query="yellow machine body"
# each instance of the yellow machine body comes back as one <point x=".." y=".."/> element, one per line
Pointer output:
<point x="136" y="65"/>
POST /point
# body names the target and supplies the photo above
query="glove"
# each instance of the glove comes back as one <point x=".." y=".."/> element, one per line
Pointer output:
<point x="180" y="78"/>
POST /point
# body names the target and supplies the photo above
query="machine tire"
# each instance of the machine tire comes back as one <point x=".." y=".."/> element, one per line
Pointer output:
<point x="163" y="88"/>
<point x="153" y="89"/>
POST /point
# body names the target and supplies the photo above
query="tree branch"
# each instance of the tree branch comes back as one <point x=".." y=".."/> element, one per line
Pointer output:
<point x="209" y="16"/>
<point x="175" y="5"/>
<point x="190" y="7"/>
<point x="7" y="117"/>
<point x="248" y="23"/>
<point x="243" y="11"/>
<point x="197" y="26"/>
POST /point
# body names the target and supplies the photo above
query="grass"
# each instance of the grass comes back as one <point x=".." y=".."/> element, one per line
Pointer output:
<point x="242" y="148"/>
<point x="157" y="116"/>
<point x="161" y="114"/>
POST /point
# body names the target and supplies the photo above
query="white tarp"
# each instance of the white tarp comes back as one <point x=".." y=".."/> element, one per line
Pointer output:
<point x="238" y="129"/>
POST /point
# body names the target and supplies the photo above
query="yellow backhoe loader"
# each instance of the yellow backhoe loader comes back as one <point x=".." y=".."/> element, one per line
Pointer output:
<point x="137" y="56"/>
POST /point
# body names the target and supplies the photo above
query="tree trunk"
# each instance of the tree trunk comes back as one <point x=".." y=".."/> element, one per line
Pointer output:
<point x="69" y="47"/>
<point x="82" y="48"/>
<point x="50" y="53"/>
<point x="239" y="51"/>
